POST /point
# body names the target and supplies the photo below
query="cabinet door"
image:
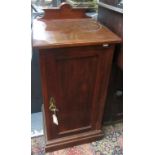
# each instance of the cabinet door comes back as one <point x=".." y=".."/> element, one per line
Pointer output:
<point x="77" y="78"/>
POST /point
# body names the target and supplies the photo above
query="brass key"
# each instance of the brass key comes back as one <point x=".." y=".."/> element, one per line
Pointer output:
<point x="52" y="106"/>
<point x="53" y="109"/>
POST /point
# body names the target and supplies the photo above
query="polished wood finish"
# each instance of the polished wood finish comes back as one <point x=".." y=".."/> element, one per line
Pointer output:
<point x="75" y="61"/>
<point x="71" y="32"/>
<point x="64" y="11"/>
<point x="73" y="76"/>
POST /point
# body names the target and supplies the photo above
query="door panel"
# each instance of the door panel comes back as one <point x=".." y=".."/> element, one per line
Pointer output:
<point x="76" y="77"/>
<point x="71" y="76"/>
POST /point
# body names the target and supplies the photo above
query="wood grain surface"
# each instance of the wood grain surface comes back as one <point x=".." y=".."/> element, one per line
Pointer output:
<point x="71" y="32"/>
<point x="64" y="11"/>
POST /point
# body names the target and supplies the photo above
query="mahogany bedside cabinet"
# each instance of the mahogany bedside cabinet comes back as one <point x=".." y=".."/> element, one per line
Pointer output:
<point x="75" y="61"/>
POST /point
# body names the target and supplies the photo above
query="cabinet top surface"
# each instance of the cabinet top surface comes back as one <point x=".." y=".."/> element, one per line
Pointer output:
<point x="71" y="32"/>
